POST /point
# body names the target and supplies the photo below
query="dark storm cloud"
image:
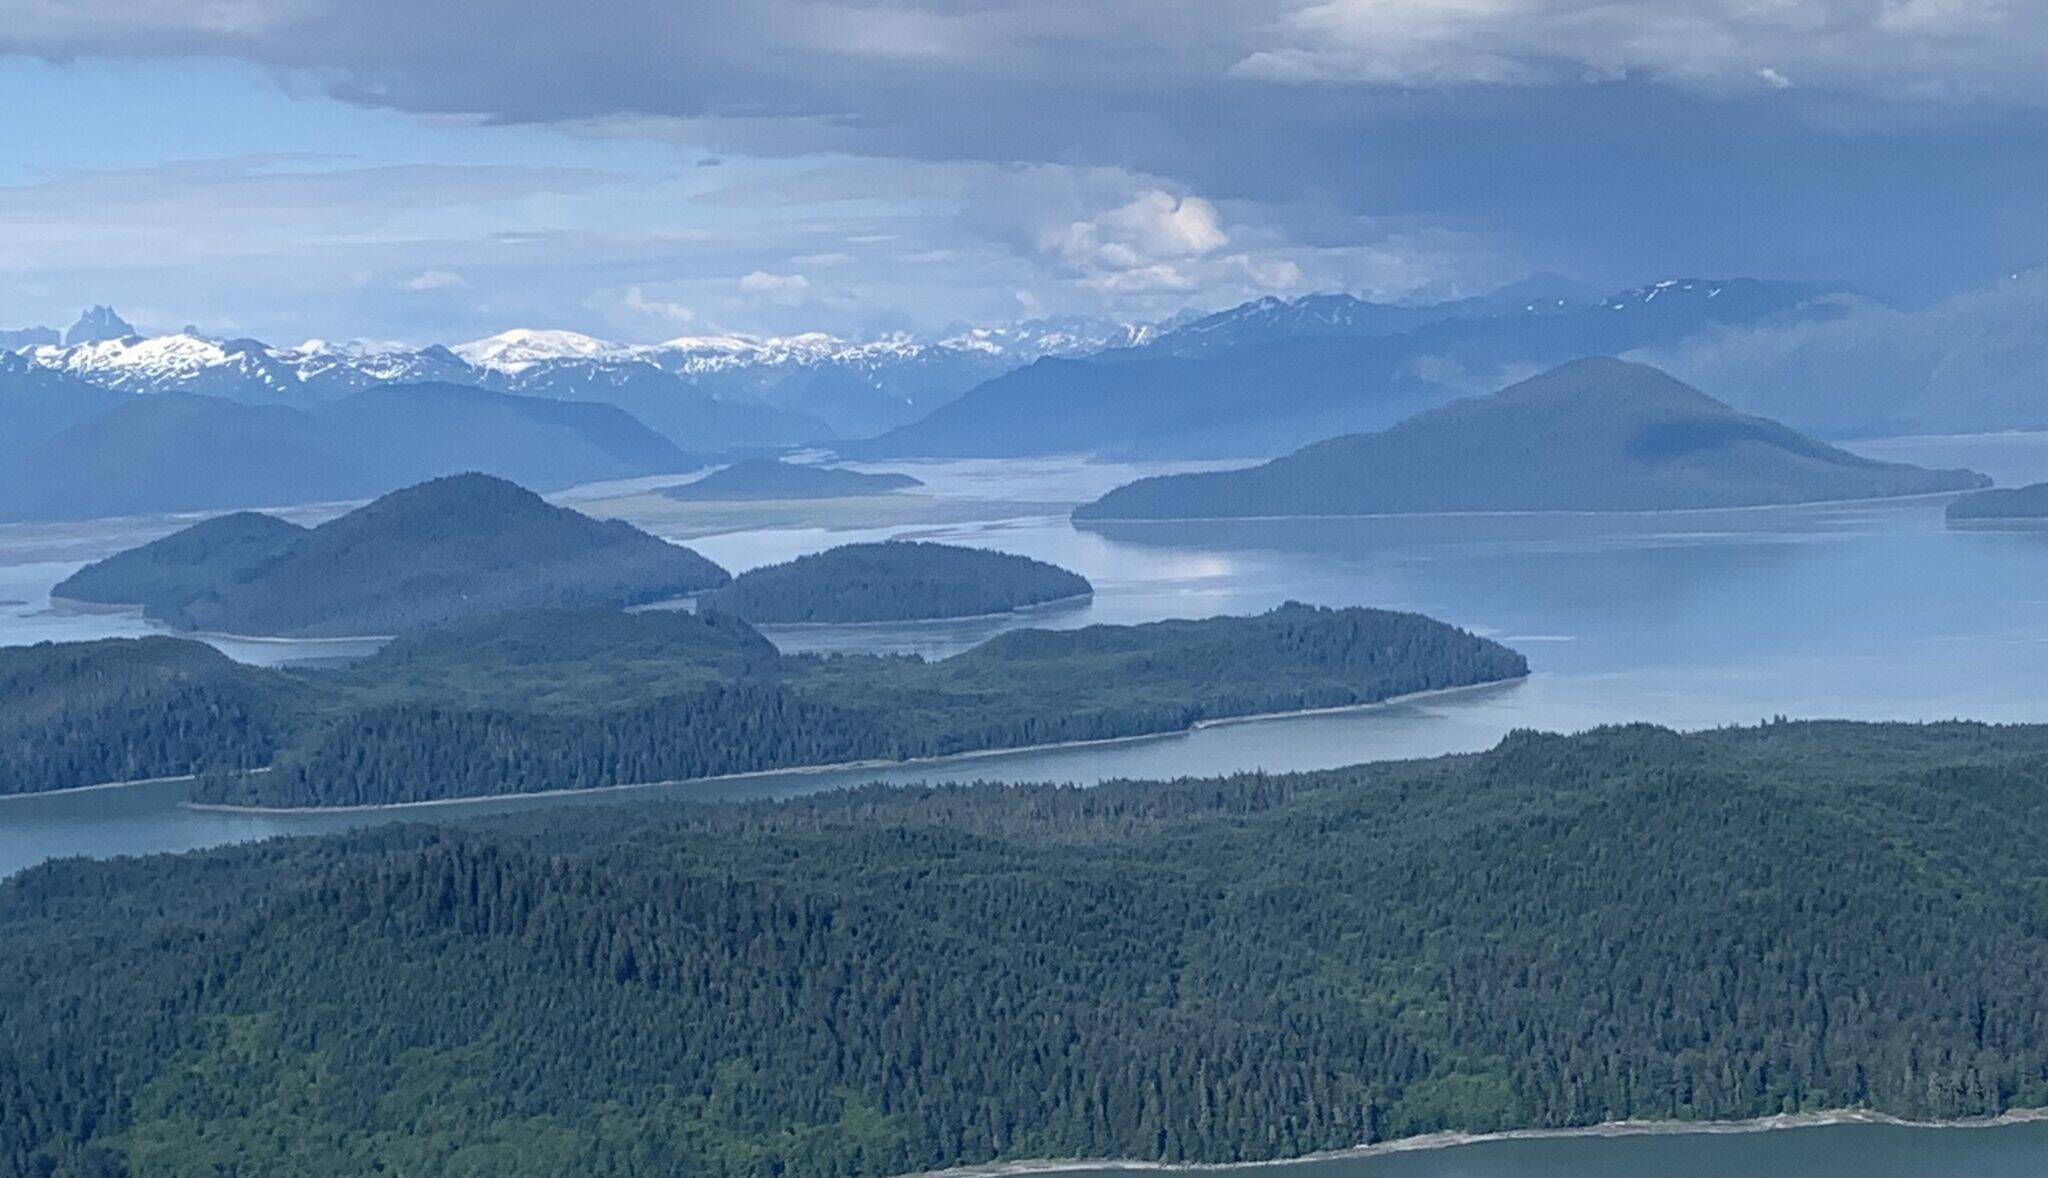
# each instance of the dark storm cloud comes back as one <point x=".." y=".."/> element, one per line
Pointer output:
<point x="1897" y="144"/>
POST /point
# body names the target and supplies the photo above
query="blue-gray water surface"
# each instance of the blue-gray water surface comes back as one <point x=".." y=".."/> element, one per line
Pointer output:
<point x="1694" y="619"/>
<point x="1818" y="1151"/>
<point x="1874" y="611"/>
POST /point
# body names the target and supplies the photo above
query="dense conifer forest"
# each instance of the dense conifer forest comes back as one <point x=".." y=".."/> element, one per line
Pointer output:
<point x="122" y="709"/>
<point x="1629" y="923"/>
<point x="584" y="699"/>
<point x="895" y="581"/>
<point x="574" y="699"/>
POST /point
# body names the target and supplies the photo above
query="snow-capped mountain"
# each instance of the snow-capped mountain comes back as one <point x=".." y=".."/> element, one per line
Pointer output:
<point x="243" y="369"/>
<point x="521" y="349"/>
<point x="706" y="392"/>
<point x="1273" y="318"/>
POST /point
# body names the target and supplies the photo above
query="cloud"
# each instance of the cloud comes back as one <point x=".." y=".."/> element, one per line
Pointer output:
<point x="1134" y="245"/>
<point x="1948" y="49"/>
<point x="436" y="280"/>
<point x="1547" y="126"/>
<point x="662" y="310"/>
<point x="1974" y="361"/>
<point x="762" y="282"/>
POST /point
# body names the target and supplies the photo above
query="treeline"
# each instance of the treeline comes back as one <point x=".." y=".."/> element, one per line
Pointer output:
<point x="1624" y="924"/>
<point x="422" y="752"/>
<point x="1022" y="688"/>
<point x="576" y="699"/>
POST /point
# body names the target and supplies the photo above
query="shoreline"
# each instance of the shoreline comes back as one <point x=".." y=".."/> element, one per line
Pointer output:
<point x="71" y="605"/>
<point x="131" y="783"/>
<point x="843" y="766"/>
<point x="1597" y="513"/>
<point x="1450" y="1139"/>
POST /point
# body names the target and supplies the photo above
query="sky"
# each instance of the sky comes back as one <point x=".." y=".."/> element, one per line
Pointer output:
<point x="642" y="169"/>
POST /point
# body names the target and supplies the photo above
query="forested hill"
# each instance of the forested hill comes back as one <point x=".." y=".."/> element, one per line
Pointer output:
<point x="453" y="547"/>
<point x="1596" y="434"/>
<point x="164" y="575"/>
<point x="124" y="709"/>
<point x="895" y="581"/>
<point x="765" y="478"/>
<point x="2028" y="503"/>
<point x="1566" y="930"/>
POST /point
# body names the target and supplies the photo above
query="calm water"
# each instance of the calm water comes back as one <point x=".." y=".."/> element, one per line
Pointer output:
<point x="1694" y="619"/>
<point x="1827" y="1151"/>
<point x="1875" y="612"/>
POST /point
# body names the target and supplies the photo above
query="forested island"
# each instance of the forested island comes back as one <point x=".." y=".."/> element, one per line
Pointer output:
<point x="1628" y="923"/>
<point x="2028" y="504"/>
<point x="449" y="548"/>
<point x="1593" y="435"/>
<point x="895" y="581"/>
<point x="766" y="478"/>
<point x="581" y="699"/>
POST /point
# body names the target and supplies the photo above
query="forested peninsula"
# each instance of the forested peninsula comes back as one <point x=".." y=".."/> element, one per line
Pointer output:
<point x="1629" y="923"/>
<point x="547" y="700"/>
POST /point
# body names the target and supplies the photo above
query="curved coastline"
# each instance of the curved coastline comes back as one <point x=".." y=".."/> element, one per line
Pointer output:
<point x="1450" y="1139"/>
<point x="1508" y="513"/>
<point x="72" y="605"/>
<point x="845" y="766"/>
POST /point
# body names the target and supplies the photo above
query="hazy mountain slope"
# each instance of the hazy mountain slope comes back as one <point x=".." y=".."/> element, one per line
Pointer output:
<point x="1592" y="435"/>
<point x="177" y="452"/>
<point x="1975" y="362"/>
<point x="1251" y="400"/>
<point x="163" y="452"/>
<point x="446" y="549"/>
<point x="670" y="404"/>
<point x="1269" y="395"/>
<point x="36" y="403"/>
<point x="404" y="433"/>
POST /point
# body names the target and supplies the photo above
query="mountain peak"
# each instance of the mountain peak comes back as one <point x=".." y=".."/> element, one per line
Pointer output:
<point x="523" y="347"/>
<point x="97" y="324"/>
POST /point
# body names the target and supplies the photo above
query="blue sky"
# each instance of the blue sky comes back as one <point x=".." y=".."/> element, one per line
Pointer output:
<point x="390" y="170"/>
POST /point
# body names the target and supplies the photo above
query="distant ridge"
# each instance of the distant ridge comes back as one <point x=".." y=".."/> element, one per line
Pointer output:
<point x="1269" y="377"/>
<point x="106" y="454"/>
<point x="1592" y="435"/>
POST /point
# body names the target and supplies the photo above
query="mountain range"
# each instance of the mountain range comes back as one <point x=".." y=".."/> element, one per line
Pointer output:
<point x="1258" y="381"/>
<point x="1593" y="435"/>
<point x="706" y="393"/>
<point x="1264" y="379"/>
